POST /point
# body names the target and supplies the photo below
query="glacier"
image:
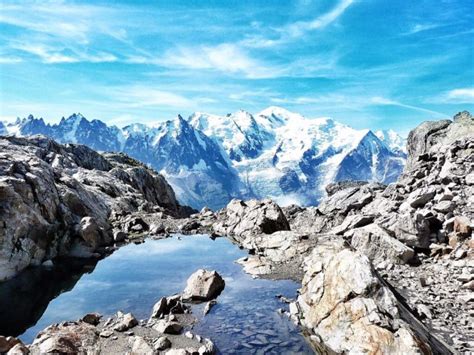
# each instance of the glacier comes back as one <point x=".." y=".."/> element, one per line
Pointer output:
<point x="210" y="159"/>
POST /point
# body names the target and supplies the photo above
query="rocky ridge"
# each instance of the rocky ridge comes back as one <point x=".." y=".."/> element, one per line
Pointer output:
<point x="58" y="200"/>
<point x="385" y="268"/>
<point x="210" y="159"/>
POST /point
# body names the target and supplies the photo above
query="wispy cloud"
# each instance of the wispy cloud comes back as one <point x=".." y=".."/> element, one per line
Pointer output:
<point x="62" y="32"/>
<point x="299" y="28"/>
<point x="60" y="20"/>
<point x="463" y="95"/>
<point x="51" y="55"/>
<point x="350" y="100"/>
<point x="10" y="60"/>
<point x="378" y="100"/>
<point x="420" y="27"/>
<point x="226" y="57"/>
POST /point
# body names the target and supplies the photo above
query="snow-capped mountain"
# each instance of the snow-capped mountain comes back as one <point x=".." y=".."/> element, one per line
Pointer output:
<point x="3" y="129"/>
<point x="209" y="159"/>
<point x="392" y="139"/>
<point x="290" y="158"/>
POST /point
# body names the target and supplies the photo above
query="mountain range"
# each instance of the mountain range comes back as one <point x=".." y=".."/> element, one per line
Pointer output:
<point x="210" y="159"/>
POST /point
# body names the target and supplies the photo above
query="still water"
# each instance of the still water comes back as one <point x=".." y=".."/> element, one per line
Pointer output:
<point x="245" y="319"/>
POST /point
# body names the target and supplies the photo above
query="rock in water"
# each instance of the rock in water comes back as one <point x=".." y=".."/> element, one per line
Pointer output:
<point x="168" y="305"/>
<point x="203" y="285"/>
<point x="66" y="338"/>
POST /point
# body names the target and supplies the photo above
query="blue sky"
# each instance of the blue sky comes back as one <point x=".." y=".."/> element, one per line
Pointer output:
<point x="367" y="63"/>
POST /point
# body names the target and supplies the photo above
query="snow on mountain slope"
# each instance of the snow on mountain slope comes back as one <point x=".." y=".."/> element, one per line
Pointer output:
<point x="210" y="159"/>
<point x="392" y="139"/>
<point x="293" y="157"/>
<point x="3" y="129"/>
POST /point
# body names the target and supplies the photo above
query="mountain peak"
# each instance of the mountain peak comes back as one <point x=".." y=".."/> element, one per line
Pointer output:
<point x="76" y="116"/>
<point x="278" y="111"/>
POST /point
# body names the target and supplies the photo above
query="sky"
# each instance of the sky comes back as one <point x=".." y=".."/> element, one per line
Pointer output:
<point x="367" y="63"/>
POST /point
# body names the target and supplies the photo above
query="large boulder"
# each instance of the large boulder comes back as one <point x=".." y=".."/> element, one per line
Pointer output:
<point x="66" y="338"/>
<point x="431" y="135"/>
<point x="379" y="246"/>
<point x="243" y="219"/>
<point x="349" y="197"/>
<point x="350" y="310"/>
<point x="203" y="285"/>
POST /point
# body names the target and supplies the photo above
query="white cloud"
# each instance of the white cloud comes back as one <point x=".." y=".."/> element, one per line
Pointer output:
<point x="349" y="100"/>
<point x="420" y="27"/>
<point x="299" y="28"/>
<point x="61" y="20"/>
<point x="464" y="95"/>
<point x="51" y="55"/>
<point x="377" y="100"/>
<point x="322" y="21"/>
<point x="226" y="57"/>
<point x="10" y="60"/>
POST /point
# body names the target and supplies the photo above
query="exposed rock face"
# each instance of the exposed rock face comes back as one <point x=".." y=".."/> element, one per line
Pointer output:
<point x="430" y="135"/>
<point x="60" y="199"/>
<point x="422" y="225"/>
<point x="379" y="246"/>
<point x="278" y="255"/>
<point x="8" y="343"/>
<point x="203" y="285"/>
<point x="242" y="219"/>
<point x="351" y="310"/>
<point x="66" y="338"/>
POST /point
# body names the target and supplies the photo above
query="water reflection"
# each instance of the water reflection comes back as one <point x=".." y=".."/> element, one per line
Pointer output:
<point x="24" y="299"/>
<point x="136" y="276"/>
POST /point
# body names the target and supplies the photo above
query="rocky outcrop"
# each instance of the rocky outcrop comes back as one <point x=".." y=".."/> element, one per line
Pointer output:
<point x="351" y="311"/>
<point x="12" y="345"/>
<point x="61" y="199"/>
<point x="203" y="285"/>
<point x="430" y="135"/>
<point x="416" y="232"/>
<point x="242" y="219"/>
<point x="277" y="255"/>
